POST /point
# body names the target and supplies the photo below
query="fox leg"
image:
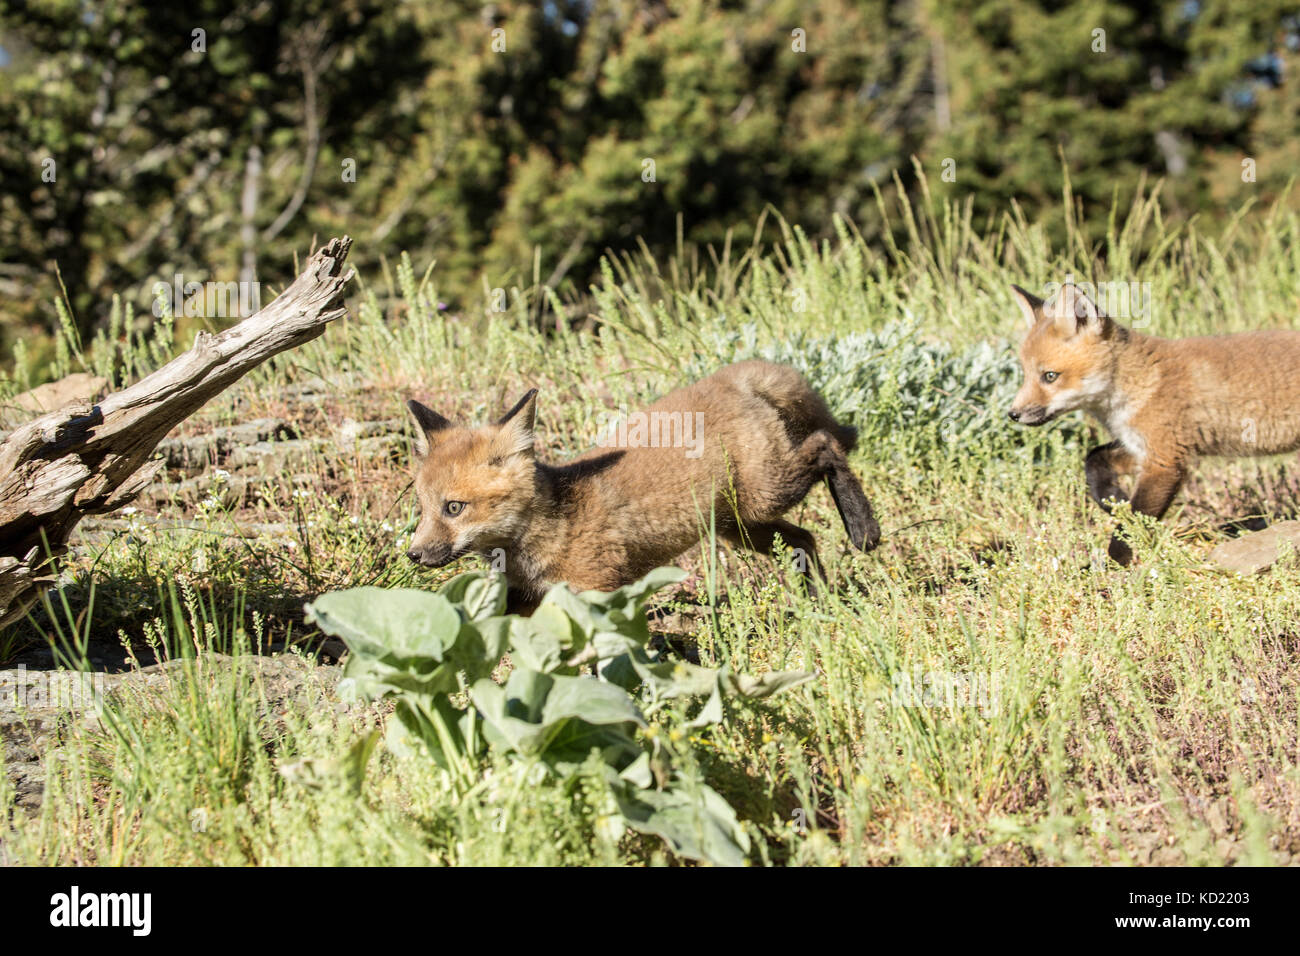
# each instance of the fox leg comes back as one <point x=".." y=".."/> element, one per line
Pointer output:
<point x="1103" y="466"/>
<point x="521" y="603"/>
<point x="854" y="508"/>
<point x="761" y="536"/>
<point x="821" y="456"/>
<point x="1155" y="491"/>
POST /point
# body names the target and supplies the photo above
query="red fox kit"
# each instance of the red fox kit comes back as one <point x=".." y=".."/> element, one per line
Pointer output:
<point x="747" y="443"/>
<point x="1164" y="401"/>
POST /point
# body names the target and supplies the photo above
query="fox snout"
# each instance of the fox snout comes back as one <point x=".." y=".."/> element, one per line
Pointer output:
<point x="1029" y="415"/>
<point x="434" y="556"/>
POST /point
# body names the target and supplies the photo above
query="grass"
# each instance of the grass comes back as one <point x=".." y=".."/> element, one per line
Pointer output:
<point x="1064" y="712"/>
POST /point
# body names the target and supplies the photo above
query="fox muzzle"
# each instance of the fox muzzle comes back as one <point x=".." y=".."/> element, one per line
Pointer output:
<point x="1031" y="415"/>
<point x="435" y="556"/>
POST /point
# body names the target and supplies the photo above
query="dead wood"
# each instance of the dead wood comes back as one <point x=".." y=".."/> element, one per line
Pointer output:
<point x="87" y="459"/>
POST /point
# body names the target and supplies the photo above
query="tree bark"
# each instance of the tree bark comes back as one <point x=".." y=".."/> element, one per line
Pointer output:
<point x="90" y="459"/>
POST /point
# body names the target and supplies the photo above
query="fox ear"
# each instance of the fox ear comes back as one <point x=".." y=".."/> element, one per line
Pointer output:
<point x="516" y="435"/>
<point x="427" y="422"/>
<point x="1075" y="312"/>
<point x="1031" y="306"/>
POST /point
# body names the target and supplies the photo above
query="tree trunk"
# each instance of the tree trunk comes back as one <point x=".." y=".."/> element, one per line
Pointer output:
<point x="89" y="459"/>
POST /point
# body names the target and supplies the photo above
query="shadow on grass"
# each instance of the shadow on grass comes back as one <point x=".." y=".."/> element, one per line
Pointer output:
<point x="107" y="623"/>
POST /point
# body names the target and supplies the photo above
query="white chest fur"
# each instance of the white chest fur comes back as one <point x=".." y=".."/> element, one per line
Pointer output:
<point x="1118" y="419"/>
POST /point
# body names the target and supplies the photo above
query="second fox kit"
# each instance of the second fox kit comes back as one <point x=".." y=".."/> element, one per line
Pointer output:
<point x="607" y="517"/>
<point x="1164" y="401"/>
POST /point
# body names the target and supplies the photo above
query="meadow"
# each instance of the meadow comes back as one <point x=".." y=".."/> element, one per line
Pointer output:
<point x="987" y="689"/>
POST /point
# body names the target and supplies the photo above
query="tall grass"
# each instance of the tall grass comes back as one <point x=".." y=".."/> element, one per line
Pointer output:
<point x="1075" y="714"/>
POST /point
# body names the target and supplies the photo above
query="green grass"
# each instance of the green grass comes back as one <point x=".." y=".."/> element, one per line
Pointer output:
<point x="1135" y="717"/>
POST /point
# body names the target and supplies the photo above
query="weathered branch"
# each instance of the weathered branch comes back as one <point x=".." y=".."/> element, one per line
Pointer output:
<point x="89" y="459"/>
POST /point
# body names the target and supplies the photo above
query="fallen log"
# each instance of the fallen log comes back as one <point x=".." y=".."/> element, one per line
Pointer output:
<point x="89" y="459"/>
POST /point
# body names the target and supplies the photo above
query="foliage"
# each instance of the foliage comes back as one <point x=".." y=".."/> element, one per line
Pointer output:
<point x="510" y="141"/>
<point x="892" y="381"/>
<point x="1093" y="716"/>
<point x="422" y="649"/>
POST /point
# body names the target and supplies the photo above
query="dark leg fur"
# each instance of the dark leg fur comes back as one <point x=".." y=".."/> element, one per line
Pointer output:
<point x="1154" y="493"/>
<point x="1103" y="467"/>
<point x="761" y="536"/>
<point x="517" y="602"/>
<point x="821" y="456"/>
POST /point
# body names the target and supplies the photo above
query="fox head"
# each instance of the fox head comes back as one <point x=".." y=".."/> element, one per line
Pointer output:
<point x="475" y="486"/>
<point x="1067" y="355"/>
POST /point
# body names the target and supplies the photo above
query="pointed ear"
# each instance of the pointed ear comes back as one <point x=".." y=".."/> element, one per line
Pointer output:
<point x="427" y="422"/>
<point x="1075" y="312"/>
<point x="1031" y="306"/>
<point x="516" y="434"/>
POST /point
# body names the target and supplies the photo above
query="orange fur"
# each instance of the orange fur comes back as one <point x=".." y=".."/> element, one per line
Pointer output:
<point x="609" y="516"/>
<point x="1164" y="401"/>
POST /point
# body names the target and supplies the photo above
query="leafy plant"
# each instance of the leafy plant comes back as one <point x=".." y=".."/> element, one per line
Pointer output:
<point x="434" y="654"/>
<point x="898" y="385"/>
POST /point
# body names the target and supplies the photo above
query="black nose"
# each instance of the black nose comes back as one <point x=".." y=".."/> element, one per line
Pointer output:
<point x="1013" y="415"/>
<point x="413" y="555"/>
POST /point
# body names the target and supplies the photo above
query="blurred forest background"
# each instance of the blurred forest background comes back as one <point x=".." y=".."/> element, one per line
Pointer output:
<point x="515" y="143"/>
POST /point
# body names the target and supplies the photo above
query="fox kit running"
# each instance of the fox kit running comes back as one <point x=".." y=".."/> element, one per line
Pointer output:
<point x="746" y="443"/>
<point x="1164" y="401"/>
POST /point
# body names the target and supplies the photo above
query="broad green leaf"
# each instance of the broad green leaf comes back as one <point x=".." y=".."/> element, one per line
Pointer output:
<point x="394" y="625"/>
<point x="638" y="772"/>
<point x="696" y="822"/>
<point x="677" y="678"/>
<point x="636" y="593"/>
<point x="558" y="718"/>
<point x="479" y="595"/>
<point x="710" y="713"/>
<point x="571" y="741"/>
<point x="501" y="728"/>
<point x="494" y="632"/>
<point x="544" y="641"/>
<point x="526" y="692"/>
<point x="616" y="612"/>
<point x="589" y="699"/>
<point x="774" y="682"/>
<point x="435" y="724"/>
<point x="371" y="678"/>
<point x="628" y="639"/>
<point x="620" y="671"/>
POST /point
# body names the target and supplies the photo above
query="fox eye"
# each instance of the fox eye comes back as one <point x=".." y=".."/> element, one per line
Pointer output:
<point x="453" y="508"/>
<point x="1050" y="377"/>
